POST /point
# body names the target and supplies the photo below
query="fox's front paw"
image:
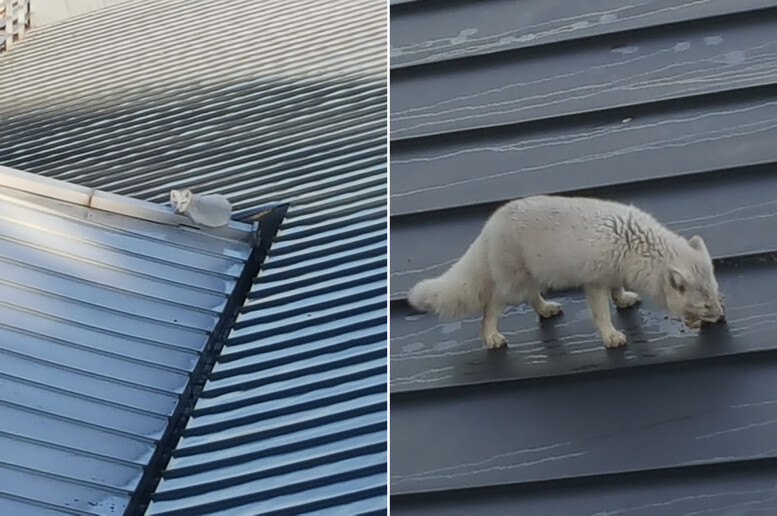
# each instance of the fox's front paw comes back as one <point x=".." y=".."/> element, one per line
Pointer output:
<point x="549" y="309"/>
<point x="692" y="322"/>
<point x="494" y="340"/>
<point x="614" y="339"/>
<point x="627" y="299"/>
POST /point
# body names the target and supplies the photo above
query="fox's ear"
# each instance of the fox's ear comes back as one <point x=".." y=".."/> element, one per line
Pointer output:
<point x="697" y="243"/>
<point x="677" y="280"/>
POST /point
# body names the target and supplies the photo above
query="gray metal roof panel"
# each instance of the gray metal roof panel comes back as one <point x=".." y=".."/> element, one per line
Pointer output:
<point x="715" y="492"/>
<point x="92" y="370"/>
<point x="427" y="32"/>
<point x="727" y="55"/>
<point x="715" y="414"/>
<point x="290" y="107"/>
<point x="297" y="384"/>
<point x="429" y="354"/>
<point x="278" y="391"/>
<point x="678" y="421"/>
<point x="613" y="148"/>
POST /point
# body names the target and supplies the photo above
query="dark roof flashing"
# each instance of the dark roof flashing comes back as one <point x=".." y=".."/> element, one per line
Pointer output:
<point x="264" y="229"/>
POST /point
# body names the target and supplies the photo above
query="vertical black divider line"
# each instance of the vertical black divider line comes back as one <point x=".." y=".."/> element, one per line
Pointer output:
<point x="269" y="220"/>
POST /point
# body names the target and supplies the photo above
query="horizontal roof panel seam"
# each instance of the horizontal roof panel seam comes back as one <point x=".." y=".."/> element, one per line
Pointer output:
<point x="558" y="38"/>
<point x="119" y="433"/>
<point x="353" y="279"/>
<point x="83" y="372"/>
<point x="351" y="64"/>
<point x="102" y="308"/>
<point x="97" y="350"/>
<point x="112" y="267"/>
<point x="95" y="284"/>
<point x="303" y="85"/>
<point x="350" y="336"/>
<point x="136" y="254"/>
<point x="69" y="449"/>
<point x="227" y="406"/>
<point x="377" y="406"/>
<point x="252" y="383"/>
<point x="277" y="96"/>
<point x="333" y="456"/>
<point x="85" y="397"/>
<point x="106" y="331"/>
<point x="58" y="509"/>
<point x="345" y="429"/>
<point x="63" y="478"/>
<point x="369" y="290"/>
<point x="270" y="144"/>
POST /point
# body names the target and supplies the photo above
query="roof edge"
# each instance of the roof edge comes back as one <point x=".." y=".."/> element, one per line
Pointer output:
<point x="113" y="203"/>
<point x="266" y="227"/>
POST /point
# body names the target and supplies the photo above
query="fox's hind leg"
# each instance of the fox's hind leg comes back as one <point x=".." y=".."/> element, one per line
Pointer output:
<point x="623" y="298"/>
<point x="544" y="308"/>
<point x="488" y="326"/>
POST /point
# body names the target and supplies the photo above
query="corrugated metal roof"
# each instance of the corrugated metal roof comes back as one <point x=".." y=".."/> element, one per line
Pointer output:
<point x="286" y="101"/>
<point x="665" y="104"/>
<point x="102" y="319"/>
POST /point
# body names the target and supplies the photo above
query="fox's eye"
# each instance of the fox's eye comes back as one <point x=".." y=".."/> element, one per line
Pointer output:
<point x="707" y="306"/>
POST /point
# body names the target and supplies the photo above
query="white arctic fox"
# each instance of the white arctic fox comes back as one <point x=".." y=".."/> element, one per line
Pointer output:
<point x="211" y="210"/>
<point x="538" y="243"/>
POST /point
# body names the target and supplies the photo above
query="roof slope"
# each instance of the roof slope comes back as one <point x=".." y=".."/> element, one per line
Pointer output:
<point x="290" y="105"/>
<point x="668" y="105"/>
<point x="103" y="318"/>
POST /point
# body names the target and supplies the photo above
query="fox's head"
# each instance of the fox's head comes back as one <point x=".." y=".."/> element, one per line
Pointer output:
<point x="690" y="287"/>
<point x="180" y="199"/>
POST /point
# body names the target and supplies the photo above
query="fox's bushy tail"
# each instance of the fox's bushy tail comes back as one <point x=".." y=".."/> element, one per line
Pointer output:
<point x="463" y="289"/>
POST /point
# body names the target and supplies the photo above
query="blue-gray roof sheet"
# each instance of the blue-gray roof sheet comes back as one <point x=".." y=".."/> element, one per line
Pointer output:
<point x="666" y="104"/>
<point x="285" y="103"/>
<point x="103" y="318"/>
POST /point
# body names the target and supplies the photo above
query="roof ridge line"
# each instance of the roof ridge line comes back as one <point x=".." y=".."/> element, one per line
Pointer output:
<point x="71" y="193"/>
